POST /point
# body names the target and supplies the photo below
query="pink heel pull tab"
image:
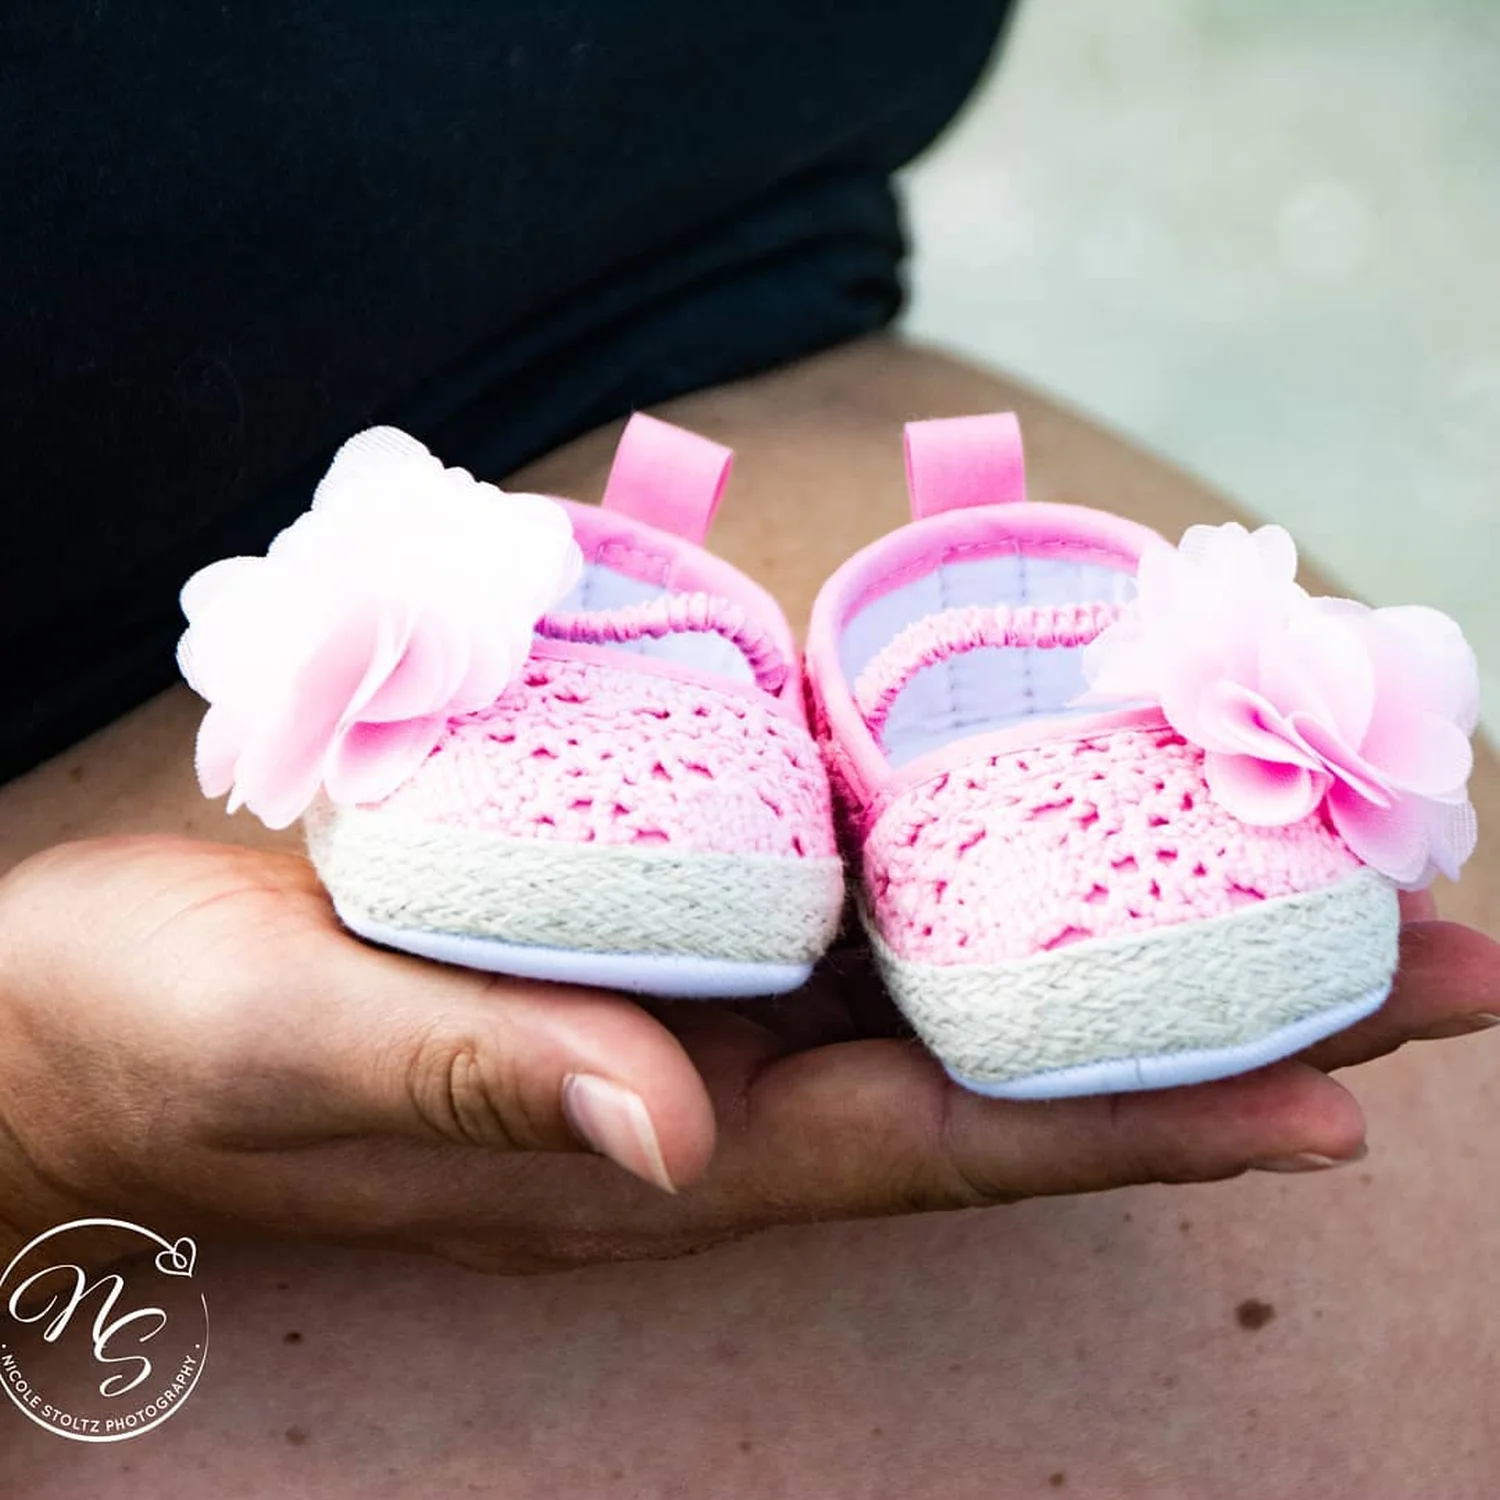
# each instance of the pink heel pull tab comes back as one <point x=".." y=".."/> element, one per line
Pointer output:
<point x="953" y="463"/>
<point x="667" y="477"/>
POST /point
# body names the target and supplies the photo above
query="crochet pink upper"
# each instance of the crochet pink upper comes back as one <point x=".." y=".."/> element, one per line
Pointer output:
<point x="594" y="752"/>
<point x="1038" y="831"/>
<point x="1021" y="852"/>
<point x="598" y="743"/>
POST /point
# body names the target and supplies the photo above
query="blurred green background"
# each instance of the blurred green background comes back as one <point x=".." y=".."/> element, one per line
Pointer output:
<point x="1263" y="238"/>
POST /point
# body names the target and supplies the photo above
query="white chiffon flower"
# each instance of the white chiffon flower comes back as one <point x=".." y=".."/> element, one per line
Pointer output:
<point x="406" y="595"/>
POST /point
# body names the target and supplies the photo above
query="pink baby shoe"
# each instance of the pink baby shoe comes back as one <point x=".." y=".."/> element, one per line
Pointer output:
<point x="1126" y="816"/>
<point x="524" y="734"/>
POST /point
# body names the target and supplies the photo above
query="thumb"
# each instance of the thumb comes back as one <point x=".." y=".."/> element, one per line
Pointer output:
<point x="388" y="1044"/>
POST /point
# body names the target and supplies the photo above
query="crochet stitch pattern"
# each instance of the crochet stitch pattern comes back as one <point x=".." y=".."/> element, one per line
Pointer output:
<point x="1075" y="839"/>
<point x="589" y="753"/>
<point x="527" y="735"/>
<point x="1124" y="817"/>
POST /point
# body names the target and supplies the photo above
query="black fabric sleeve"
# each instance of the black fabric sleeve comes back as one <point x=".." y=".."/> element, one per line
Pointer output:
<point x="234" y="234"/>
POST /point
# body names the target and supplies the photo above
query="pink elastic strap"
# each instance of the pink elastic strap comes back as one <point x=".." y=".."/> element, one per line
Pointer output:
<point x="676" y="614"/>
<point x="954" y="631"/>
<point x="956" y="462"/>
<point x="667" y="477"/>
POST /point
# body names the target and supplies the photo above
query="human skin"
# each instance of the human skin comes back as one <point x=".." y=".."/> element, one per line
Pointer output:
<point x="285" y="1114"/>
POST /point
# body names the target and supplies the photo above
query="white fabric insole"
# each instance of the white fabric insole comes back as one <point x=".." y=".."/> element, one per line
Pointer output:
<point x="987" y="689"/>
<point x="601" y="588"/>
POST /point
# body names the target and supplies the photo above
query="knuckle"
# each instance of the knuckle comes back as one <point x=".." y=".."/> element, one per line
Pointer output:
<point x="968" y="1184"/>
<point x="1136" y="1153"/>
<point x="966" y="1179"/>
<point x="468" y="1092"/>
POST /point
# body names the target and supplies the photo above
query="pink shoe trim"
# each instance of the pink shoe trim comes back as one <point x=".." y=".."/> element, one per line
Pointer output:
<point x="937" y="637"/>
<point x="667" y="477"/>
<point x="790" y="703"/>
<point x="1068" y="532"/>
<point x="955" y="463"/>
<point x="675" y="614"/>
<point x="670" y="562"/>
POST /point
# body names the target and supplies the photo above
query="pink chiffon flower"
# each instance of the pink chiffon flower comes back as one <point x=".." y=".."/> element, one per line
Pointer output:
<point x="406" y="595"/>
<point x="1302" y="702"/>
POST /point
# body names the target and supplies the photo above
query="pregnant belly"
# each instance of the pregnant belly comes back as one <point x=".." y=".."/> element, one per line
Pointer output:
<point x="133" y="777"/>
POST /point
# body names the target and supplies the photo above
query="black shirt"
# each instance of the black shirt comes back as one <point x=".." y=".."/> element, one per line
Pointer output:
<point x="234" y="234"/>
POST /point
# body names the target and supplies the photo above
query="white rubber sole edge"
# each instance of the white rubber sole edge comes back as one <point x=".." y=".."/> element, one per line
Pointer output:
<point x="674" y="976"/>
<point x="1175" y="1006"/>
<point x="1169" y="1070"/>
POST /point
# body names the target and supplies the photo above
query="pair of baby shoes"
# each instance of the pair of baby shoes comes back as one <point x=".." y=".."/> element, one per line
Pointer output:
<point x="1121" y="815"/>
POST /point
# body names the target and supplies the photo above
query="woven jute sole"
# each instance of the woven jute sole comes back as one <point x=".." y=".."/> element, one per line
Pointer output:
<point x="645" y="919"/>
<point x="1179" y="1005"/>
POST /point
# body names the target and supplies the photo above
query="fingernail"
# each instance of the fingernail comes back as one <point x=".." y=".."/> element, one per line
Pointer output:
<point x="614" y="1122"/>
<point x="1307" y="1161"/>
<point x="1481" y="1020"/>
